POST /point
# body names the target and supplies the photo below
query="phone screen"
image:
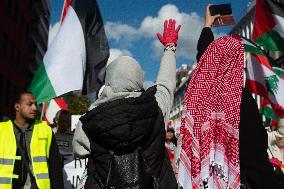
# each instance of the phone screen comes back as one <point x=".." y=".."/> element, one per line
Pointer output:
<point x="223" y="9"/>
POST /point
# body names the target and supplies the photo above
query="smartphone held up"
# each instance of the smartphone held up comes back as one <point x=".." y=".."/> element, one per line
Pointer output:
<point x="225" y="10"/>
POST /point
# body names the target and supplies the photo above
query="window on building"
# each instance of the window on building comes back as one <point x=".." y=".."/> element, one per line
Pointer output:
<point x="8" y="91"/>
<point x="24" y="29"/>
<point x="30" y="3"/>
<point x="20" y="20"/>
<point x="22" y="25"/>
<point x="12" y="52"/>
<point x="5" y="44"/>
<point x="1" y="43"/>
<point x="10" y="6"/>
<point x="15" y="92"/>
<point x="9" y="49"/>
<point x="16" y="13"/>
<point x="27" y="35"/>
<point x="23" y="65"/>
<point x="18" y="57"/>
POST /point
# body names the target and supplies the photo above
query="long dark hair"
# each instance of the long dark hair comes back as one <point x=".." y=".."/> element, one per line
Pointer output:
<point x="174" y="139"/>
<point x="64" y="121"/>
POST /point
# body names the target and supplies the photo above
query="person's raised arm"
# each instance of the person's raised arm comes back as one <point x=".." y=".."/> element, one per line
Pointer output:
<point x="206" y="36"/>
<point x="166" y="80"/>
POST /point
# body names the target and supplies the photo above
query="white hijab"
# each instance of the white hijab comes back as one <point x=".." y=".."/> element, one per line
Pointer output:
<point x="124" y="79"/>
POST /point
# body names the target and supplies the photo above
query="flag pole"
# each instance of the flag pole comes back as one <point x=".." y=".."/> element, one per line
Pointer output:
<point x="65" y="7"/>
<point x="43" y="110"/>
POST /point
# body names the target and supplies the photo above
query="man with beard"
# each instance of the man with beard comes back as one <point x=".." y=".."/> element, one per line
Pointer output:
<point x="29" y="156"/>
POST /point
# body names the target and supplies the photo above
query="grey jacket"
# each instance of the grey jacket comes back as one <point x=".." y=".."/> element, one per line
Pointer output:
<point x="166" y="83"/>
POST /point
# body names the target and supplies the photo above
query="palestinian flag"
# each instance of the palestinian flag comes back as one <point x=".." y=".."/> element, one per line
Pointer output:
<point x="65" y="9"/>
<point x="53" y="107"/>
<point x="268" y="28"/>
<point x="268" y="82"/>
<point x="77" y="57"/>
<point x="250" y="46"/>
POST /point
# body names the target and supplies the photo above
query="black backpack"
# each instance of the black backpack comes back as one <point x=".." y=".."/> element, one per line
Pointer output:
<point x="129" y="171"/>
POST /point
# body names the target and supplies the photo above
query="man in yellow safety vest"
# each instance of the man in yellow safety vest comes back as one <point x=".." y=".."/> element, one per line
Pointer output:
<point x="29" y="156"/>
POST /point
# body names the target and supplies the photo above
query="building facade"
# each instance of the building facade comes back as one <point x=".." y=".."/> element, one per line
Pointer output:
<point x="23" y="42"/>
<point x="183" y="76"/>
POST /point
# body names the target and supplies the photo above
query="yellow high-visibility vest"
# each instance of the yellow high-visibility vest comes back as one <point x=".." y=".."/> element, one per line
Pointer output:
<point x="39" y="151"/>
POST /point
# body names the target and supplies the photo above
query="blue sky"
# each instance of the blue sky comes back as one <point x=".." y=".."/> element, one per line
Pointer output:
<point x="131" y="27"/>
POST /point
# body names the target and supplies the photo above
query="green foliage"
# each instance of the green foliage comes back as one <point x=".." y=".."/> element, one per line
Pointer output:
<point x="77" y="104"/>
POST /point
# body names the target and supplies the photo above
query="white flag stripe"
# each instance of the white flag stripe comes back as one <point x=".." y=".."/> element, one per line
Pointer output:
<point x="279" y="25"/>
<point x="245" y="42"/>
<point x="51" y="111"/>
<point x="65" y="59"/>
<point x="257" y="72"/>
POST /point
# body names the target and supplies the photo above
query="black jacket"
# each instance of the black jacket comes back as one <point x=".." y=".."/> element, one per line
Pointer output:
<point x="120" y="127"/>
<point x="254" y="164"/>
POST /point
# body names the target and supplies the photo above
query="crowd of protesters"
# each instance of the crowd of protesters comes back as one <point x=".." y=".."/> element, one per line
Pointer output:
<point x="125" y="135"/>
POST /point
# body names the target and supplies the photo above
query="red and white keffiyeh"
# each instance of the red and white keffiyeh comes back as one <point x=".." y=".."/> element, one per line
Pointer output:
<point x="211" y="116"/>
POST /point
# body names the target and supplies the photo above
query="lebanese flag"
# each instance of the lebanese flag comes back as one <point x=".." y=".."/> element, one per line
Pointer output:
<point x="267" y="110"/>
<point x="77" y="56"/>
<point x="264" y="80"/>
<point x="53" y="107"/>
<point x="278" y="71"/>
<point x="268" y="27"/>
<point x="258" y="70"/>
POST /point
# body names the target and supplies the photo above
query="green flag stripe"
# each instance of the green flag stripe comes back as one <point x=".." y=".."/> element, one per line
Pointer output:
<point x="271" y="41"/>
<point x="252" y="49"/>
<point x="41" y="86"/>
<point x="269" y="113"/>
<point x="278" y="71"/>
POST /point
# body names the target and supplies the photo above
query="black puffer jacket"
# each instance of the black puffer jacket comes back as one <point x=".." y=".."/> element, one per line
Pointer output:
<point x="121" y="127"/>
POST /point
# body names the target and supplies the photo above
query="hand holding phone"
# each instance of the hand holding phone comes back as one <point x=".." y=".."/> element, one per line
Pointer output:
<point x="209" y="19"/>
<point x="222" y="9"/>
<point x="225" y="11"/>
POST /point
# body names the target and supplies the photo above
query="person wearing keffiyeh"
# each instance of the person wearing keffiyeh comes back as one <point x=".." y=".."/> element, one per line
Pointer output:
<point x="223" y="141"/>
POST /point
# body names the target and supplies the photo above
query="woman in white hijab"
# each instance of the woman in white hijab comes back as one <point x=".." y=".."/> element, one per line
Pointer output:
<point x="123" y="133"/>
